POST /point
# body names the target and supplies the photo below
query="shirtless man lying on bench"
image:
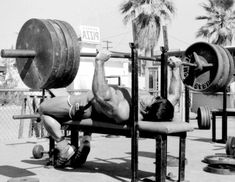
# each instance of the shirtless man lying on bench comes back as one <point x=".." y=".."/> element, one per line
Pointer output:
<point x="106" y="104"/>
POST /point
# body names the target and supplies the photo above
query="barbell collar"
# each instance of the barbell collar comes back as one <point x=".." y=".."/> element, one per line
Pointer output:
<point x="17" y="53"/>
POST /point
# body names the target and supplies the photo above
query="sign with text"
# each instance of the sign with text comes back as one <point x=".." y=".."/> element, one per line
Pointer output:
<point x="90" y="34"/>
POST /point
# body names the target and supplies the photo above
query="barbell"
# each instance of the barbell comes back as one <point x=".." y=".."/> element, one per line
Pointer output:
<point x="48" y="55"/>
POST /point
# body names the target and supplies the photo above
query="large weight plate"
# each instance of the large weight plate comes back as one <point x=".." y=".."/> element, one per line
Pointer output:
<point x="203" y="80"/>
<point x="36" y="35"/>
<point x="231" y="69"/>
<point x="226" y="67"/>
<point x="51" y="67"/>
<point x="55" y="82"/>
<point x="73" y="51"/>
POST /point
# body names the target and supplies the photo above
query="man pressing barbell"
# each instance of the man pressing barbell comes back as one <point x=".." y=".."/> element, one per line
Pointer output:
<point x="107" y="103"/>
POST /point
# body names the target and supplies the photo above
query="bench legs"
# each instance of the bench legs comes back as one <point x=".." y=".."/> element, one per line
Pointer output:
<point x="51" y="151"/>
<point x="224" y="128"/>
<point x="181" y="170"/>
<point x="161" y="158"/>
<point x="161" y="155"/>
<point x="74" y="137"/>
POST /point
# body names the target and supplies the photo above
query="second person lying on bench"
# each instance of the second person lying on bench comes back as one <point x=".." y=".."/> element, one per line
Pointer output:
<point x="110" y="104"/>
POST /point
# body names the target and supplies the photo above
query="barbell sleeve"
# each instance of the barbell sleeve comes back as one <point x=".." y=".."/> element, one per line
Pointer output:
<point x="17" y="53"/>
<point x="189" y="64"/>
<point x="195" y="65"/>
<point x="27" y="116"/>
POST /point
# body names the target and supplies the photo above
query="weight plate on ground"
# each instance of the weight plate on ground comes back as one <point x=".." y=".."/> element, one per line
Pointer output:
<point x="203" y="117"/>
<point x="219" y="159"/>
<point x="220" y="169"/>
<point x="38" y="151"/>
<point x="230" y="146"/>
<point x="204" y="80"/>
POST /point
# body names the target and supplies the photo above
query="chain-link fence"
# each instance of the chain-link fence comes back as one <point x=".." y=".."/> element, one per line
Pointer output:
<point x="20" y="102"/>
<point x="13" y="103"/>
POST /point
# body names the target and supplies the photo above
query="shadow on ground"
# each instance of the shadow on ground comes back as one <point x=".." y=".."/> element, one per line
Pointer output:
<point x="117" y="168"/>
<point x="208" y="140"/>
<point x="14" y="172"/>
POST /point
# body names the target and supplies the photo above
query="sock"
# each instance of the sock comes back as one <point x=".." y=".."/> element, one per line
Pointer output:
<point x="66" y="150"/>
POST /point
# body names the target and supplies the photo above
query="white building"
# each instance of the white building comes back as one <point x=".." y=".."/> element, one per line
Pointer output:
<point x="115" y="68"/>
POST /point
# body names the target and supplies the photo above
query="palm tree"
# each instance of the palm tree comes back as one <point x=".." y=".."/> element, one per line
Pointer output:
<point x="220" y="25"/>
<point x="149" y="16"/>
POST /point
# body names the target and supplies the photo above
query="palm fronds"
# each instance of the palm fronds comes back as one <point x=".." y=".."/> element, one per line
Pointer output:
<point x="220" y="25"/>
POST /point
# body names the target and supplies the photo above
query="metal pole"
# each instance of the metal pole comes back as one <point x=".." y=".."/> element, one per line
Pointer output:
<point x="164" y="64"/>
<point x="224" y="117"/>
<point x="187" y="104"/>
<point x="163" y="73"/>
<point x="134" y="114"/>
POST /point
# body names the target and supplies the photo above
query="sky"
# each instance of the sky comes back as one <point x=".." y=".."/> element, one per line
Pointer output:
<point x="102" y="13"/>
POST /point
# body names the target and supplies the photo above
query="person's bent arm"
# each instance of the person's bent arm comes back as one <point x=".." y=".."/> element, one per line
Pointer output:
<point x="111" y="101"/>
<point x="175" y="86"/>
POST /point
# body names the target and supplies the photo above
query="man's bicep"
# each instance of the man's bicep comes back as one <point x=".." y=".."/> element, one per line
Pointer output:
<point x="123" y="110"/>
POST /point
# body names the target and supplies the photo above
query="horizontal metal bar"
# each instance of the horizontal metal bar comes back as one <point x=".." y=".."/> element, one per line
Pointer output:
<point x="17" y="53"/>
<point x="189" y="64"/>
<point x="195" y="65"/>
<point x="115" y="54"/>
<point x="175" y="53"/>
<point x="24" y="53"/>
<point x="28" y="116"/>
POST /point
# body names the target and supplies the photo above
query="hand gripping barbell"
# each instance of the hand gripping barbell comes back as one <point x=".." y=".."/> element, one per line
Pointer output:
<point x="48" y="55"/>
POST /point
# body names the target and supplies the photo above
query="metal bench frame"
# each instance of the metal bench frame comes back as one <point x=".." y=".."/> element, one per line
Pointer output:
<point x="135" y="129"/>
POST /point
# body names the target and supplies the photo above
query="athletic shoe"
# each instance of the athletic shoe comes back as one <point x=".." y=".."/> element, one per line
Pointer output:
<point x="80" y="156"/>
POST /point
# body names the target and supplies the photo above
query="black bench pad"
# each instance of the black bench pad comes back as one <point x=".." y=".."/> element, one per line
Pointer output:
<point x="117" y="129"/>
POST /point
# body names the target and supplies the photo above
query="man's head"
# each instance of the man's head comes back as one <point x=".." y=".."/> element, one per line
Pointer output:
<point x="160" y="110"/>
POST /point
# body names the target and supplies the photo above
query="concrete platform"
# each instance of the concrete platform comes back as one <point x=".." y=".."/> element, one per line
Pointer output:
<point x="109" y="159"/>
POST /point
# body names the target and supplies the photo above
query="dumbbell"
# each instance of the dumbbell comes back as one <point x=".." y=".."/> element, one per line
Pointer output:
<point x="38" y="151"/>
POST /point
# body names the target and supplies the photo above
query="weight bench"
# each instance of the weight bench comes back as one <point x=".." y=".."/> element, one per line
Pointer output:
<point x="223" y="113"/>
<point x="155" y="130"/>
